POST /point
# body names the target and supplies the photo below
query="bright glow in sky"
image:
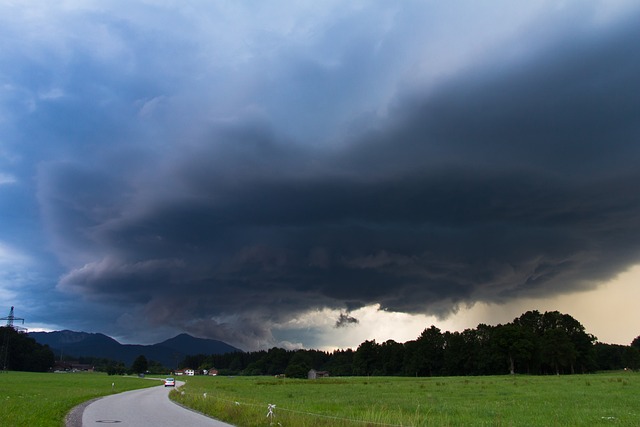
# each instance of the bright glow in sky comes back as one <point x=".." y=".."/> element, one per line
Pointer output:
<point x="605" y="312"/>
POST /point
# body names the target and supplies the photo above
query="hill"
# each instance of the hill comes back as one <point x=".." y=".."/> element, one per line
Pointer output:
<point x="169" y="353"/>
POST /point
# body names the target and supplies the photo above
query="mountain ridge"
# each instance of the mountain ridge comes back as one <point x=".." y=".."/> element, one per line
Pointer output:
<point x="169" y="352"/>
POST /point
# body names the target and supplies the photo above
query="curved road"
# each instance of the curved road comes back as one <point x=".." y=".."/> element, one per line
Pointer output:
<point x="144" y="407"/>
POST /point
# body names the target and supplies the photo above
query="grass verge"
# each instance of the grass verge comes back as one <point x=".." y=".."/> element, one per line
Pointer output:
<point x="43" y="399"/>
<point x="572" y="400"/>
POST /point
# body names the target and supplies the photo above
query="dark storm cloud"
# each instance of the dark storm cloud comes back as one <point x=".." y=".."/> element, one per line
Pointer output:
<point x="345" y="320"/>
<point x="499" y="184"/>
<point x="219" y="208"/>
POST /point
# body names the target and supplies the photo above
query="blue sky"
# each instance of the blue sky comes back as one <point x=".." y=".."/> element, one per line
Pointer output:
<point x="305" y="173"/>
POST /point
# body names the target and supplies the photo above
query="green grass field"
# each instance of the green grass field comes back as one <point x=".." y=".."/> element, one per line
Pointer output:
<point x="574" y="400"/>
<point x="43" y="399"/>
<point x="605" y="399"/>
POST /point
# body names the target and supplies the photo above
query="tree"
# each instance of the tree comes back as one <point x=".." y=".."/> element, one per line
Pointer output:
<point x="581" y="342"/>
<point x="340" y="363"/>
<point x="116" y="368"/>
<point x="299" y="365"/>
<point x="515" y="344"/>
<point x="631" y="358"/>
<point x="365" y="360"/>
<point x="22" y="353"/>
<point x="430" y="347"/>
<point x="236" y="363"/>
<point x="391" y="356"/>
<point x="255" y="368"/>
<point x="140" y="365"/>
<point x="277" y="360"/>
<point x="155" y="367"/>
<point x="194" y="361"/>
<point x="580" y="353"/>
<point x="458" y="354"/>
<point x="557" y="349"/>
<point x="490" y="360"/>
<point x="609" y="356"/>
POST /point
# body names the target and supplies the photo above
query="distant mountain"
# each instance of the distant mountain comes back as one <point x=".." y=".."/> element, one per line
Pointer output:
<point x="169" y="353"/>
<point x="191" y="345"/>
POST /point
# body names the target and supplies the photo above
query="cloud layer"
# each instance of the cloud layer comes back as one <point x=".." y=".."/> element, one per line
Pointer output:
<point x="222" y="169"/>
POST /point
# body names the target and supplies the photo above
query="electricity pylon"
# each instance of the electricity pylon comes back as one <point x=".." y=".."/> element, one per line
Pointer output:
<point x="10" y="318"/>
<point x="4" y="352"/>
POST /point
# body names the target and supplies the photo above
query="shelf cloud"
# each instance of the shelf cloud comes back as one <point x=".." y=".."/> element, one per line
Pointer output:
<point x="222" y="171"/>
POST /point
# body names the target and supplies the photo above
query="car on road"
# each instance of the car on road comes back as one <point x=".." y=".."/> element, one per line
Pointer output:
<point x="169" y="382"/>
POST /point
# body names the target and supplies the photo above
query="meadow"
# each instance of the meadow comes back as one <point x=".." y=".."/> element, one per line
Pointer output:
<point x="43" y="399"/>
<point x="601" y="399"/>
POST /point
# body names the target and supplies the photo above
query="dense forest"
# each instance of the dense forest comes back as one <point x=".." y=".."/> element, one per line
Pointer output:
<point x="534" y="343"/>
<point x="19" y="352"/>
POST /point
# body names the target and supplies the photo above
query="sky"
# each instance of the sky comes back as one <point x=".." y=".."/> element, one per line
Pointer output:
<point x="313" y="174"/>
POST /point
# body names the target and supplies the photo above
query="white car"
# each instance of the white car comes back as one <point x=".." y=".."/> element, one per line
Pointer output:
<point x="169" y="382"/>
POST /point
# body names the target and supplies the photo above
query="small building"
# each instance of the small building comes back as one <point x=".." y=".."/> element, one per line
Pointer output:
<point x="72" y="366"/>
<point x="188" y="372"/>
<point x="313" y="374"/>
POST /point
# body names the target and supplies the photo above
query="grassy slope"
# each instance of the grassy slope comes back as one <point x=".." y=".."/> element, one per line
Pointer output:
<point x="43" y="399"/>
<point x="575" y="400"/>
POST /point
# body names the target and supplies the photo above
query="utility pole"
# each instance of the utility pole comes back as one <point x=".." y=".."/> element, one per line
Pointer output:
<point x="10" y="318"/>
<point x="4" y="352"/>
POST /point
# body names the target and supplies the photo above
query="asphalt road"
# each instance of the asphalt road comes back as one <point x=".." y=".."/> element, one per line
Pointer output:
<point x="139" y="408"/>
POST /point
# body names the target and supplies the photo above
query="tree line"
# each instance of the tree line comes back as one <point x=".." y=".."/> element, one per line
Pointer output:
<point x="19" y="352"/>
<point x="534" y="343"/>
